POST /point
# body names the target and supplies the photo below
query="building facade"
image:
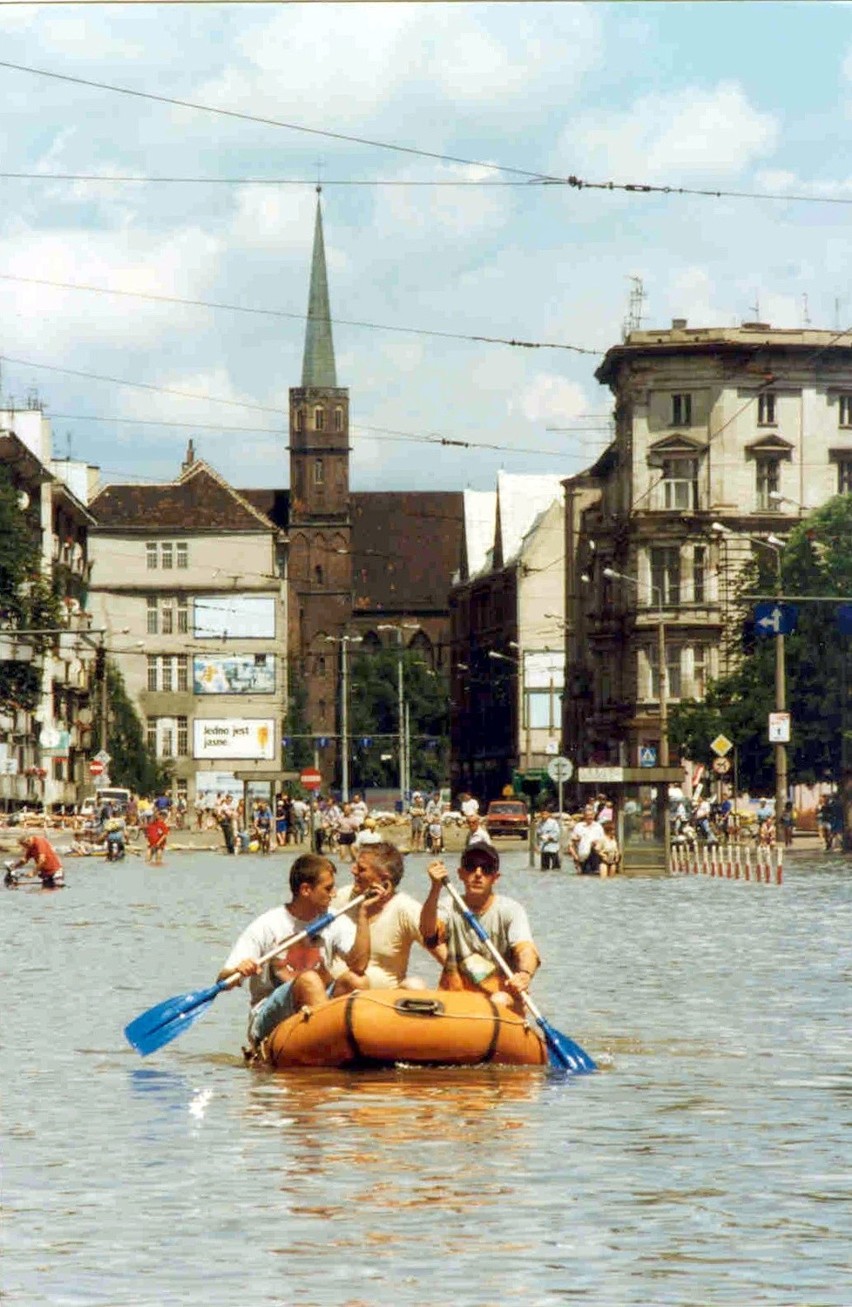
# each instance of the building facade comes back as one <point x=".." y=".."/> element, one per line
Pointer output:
<point x="723" y="439"/>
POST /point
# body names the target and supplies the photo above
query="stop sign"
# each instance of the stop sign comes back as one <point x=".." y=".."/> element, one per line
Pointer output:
<point x="95" y="767"/>
<point x="311" y="778"/>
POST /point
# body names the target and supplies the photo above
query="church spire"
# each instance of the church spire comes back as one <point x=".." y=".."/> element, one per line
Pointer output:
<point x="318" y="362"/>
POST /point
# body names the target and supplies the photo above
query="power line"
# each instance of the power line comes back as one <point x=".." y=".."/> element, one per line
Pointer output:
<point x="260" y="181"/>
<point x="277" y="122"/>
<point x="301" y="317"/>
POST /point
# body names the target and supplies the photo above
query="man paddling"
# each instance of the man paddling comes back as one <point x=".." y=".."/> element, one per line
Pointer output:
<point x="301" y="976"/>
<point x="469" y="964"/>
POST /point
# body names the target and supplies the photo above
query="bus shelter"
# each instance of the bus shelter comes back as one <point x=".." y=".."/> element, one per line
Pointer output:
<point x="640" y="801"/>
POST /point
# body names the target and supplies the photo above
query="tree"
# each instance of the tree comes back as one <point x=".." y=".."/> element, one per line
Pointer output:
<point x="27" y="599"/>
<point x="816" y="561"/>
<point x="132" y="763"/>
<point x="374" y="716"/>
<point x="298" y="752"/>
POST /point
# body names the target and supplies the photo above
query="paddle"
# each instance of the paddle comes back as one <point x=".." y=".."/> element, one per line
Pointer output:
<point x="563" y="1053"/>
<point x="165" y="1021"/>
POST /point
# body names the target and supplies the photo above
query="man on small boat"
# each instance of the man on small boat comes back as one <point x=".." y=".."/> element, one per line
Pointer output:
<point x="468" y="964"/>
<point x="394" y="918"/>
<point x="37" y="849"/>
<point x="301" y="976"/>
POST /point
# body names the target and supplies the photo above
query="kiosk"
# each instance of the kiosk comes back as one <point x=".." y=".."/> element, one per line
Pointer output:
<point x="640" y="798"/>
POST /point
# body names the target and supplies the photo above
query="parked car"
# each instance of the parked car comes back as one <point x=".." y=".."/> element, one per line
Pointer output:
<point x="508" y="817"/>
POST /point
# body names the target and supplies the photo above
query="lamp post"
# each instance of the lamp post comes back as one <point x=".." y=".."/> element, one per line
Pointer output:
<point x="661" y="656"/>
<point x="404" y="761"/>
<point x="344" y="641"/>
<point x="776" y="545"/>
<point x="523" y="725"/>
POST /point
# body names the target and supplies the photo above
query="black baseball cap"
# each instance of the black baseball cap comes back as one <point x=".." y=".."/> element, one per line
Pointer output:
<point x="480" y="855"/>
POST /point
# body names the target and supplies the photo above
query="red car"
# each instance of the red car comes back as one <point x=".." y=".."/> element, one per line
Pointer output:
<point x="508" y="817"/>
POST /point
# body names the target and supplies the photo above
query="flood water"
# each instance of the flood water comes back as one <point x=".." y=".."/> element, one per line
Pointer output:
<point x="708" y="1163"/>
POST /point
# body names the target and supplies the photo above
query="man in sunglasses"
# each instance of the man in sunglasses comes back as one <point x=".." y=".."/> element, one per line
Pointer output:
<point x="469" y="964"/>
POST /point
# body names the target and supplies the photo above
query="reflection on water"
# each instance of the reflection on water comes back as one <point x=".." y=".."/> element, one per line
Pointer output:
<point x="708" y="1166"/>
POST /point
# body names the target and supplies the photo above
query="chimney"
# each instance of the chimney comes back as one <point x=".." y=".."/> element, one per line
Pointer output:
<point x="189" y="459"/>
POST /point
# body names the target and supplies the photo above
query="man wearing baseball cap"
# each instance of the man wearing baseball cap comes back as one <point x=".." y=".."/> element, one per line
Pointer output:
<point x="469" y="964"/>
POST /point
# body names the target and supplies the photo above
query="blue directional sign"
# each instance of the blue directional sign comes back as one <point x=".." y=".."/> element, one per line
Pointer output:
<point x="775" y="619"/>
<point x="366" y="741"/>
<point x="322" y="741"/>
<point x="844" y="618"/>
<point x="647" y="755"/>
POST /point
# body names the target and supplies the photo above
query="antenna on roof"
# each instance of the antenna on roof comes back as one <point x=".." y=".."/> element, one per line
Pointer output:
<point x="806" y="318"/>
<point x="633" y="321"/>
<point x="755" y="307"/>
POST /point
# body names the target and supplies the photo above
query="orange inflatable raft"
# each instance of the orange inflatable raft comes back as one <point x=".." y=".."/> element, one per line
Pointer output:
<point x="374" y="1027"/>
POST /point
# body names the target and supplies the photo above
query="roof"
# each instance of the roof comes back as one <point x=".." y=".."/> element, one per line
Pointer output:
<point x="318" y="360"/>
<point x="406" y="545"/>
<point x="480" y="515"/>
<point x="521" y="499"/>
<point x="200" y="500"/>
<point x="274" y="504"/>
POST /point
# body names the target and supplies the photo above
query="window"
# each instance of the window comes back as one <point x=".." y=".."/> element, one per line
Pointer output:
<point x="680" y="482"/>
<point x="168" y="737"/>
<point x="153" y="615"/>
<point x="151" y="735"/>
<point x="319" y="419"/>
<point x="665" y="575"/>
<point x="152" y="672"/>
<point x="166" y="670"/>
<point x="699" y="671"/>
<point x="673" y="681"/>
<point x="151" y="556"/>
<point x="167" y="616"/>
<point x="338" y="419"/>
<point x="182" y="615"/>
<point x="681" y="410"/>
<point x="766" y="410"/>
<point x="318" y="574"/>
<point x="182" y="553"/>
<point x="182" y="673"/>
<point x="844" y="476"/>
<point x="299" y="419"/>
<point x="699" y="572"/>
<point x="768" y="480"/>
<point x="166" y="556"/>
<point x="319" y="472"/>
<point x="182" y="737"/>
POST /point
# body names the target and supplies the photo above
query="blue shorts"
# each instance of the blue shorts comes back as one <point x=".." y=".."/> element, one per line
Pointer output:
<point x="275" y="1008"/>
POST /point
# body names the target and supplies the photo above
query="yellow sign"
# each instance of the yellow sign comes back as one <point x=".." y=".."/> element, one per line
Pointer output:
<point x="721" y="745"/>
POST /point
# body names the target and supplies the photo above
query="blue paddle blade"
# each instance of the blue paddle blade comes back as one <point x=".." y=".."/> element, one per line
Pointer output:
<point x="563" y="1053"/>
<point x="164" y="1022"/>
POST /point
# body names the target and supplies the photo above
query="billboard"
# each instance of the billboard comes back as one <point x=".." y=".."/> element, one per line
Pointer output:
<point x="233" y="616"/>
<point x="234" y="737"/>
<point x="233" y="674"/>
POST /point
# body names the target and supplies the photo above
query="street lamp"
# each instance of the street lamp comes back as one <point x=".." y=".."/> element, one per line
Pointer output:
<point x="776" y="545"/>
<point x="653" y="590"/>
<point x="404" y="761"/>
<point x="344" y="641"/>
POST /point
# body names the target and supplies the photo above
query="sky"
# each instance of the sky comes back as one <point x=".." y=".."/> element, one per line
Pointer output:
<point x="431" y="127"/>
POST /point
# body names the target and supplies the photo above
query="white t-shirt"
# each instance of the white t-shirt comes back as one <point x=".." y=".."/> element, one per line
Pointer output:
<point x="583" y="836"/>
<point x="392" y="933"/>
<point x="264" y="933"/>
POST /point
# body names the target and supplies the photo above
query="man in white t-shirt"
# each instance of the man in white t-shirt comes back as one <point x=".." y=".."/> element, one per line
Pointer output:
<point x="393" y="916"/>
<point x="301" y="974"/>
<point x="477" y="832"/>
<point x="586" y="834"/>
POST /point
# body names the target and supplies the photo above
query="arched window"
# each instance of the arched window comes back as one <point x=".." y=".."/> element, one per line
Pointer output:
<point x="318" y="574"/>
<point x="319" y="419"/>
<point x="338" y="419"/>
<point x="322" y="712"/>
<point x="422" y="646"/>
<point x="299" y="420"/>
<point x="370" y="642"/>
<point x="319" y="472"/>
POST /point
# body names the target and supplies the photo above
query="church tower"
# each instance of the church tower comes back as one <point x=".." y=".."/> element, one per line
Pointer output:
<point x="320" y="559"/>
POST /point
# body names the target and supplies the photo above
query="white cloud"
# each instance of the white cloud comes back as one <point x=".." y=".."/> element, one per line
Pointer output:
<point x="672" y="137"/>
<point x="551" y="400"/>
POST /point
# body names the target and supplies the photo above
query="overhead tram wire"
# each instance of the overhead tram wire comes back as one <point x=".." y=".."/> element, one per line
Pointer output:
<point x="268" y="181"/>
<point x="530" y="175"/>
<point x="301" y="317"/>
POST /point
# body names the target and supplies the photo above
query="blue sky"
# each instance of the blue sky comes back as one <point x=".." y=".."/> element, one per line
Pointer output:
<point x="731" y="97"/>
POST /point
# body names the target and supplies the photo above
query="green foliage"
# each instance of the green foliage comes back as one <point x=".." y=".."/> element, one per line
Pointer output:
<point x="299" y="753"/>
<point x="27" y="601"/>
<point x="374" y="713"/>
<point x="133" y="765"/>
<point x="816" y="561"/>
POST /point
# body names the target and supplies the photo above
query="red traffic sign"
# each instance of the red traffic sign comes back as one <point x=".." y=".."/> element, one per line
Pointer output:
<point x="310" y="778"/>
<point x="95" y="767"/>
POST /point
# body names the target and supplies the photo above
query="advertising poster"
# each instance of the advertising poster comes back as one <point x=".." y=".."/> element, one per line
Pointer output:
<point x="233" y="674"/>
<point x="234" y="617"/>
<point x="250" y="738"/>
